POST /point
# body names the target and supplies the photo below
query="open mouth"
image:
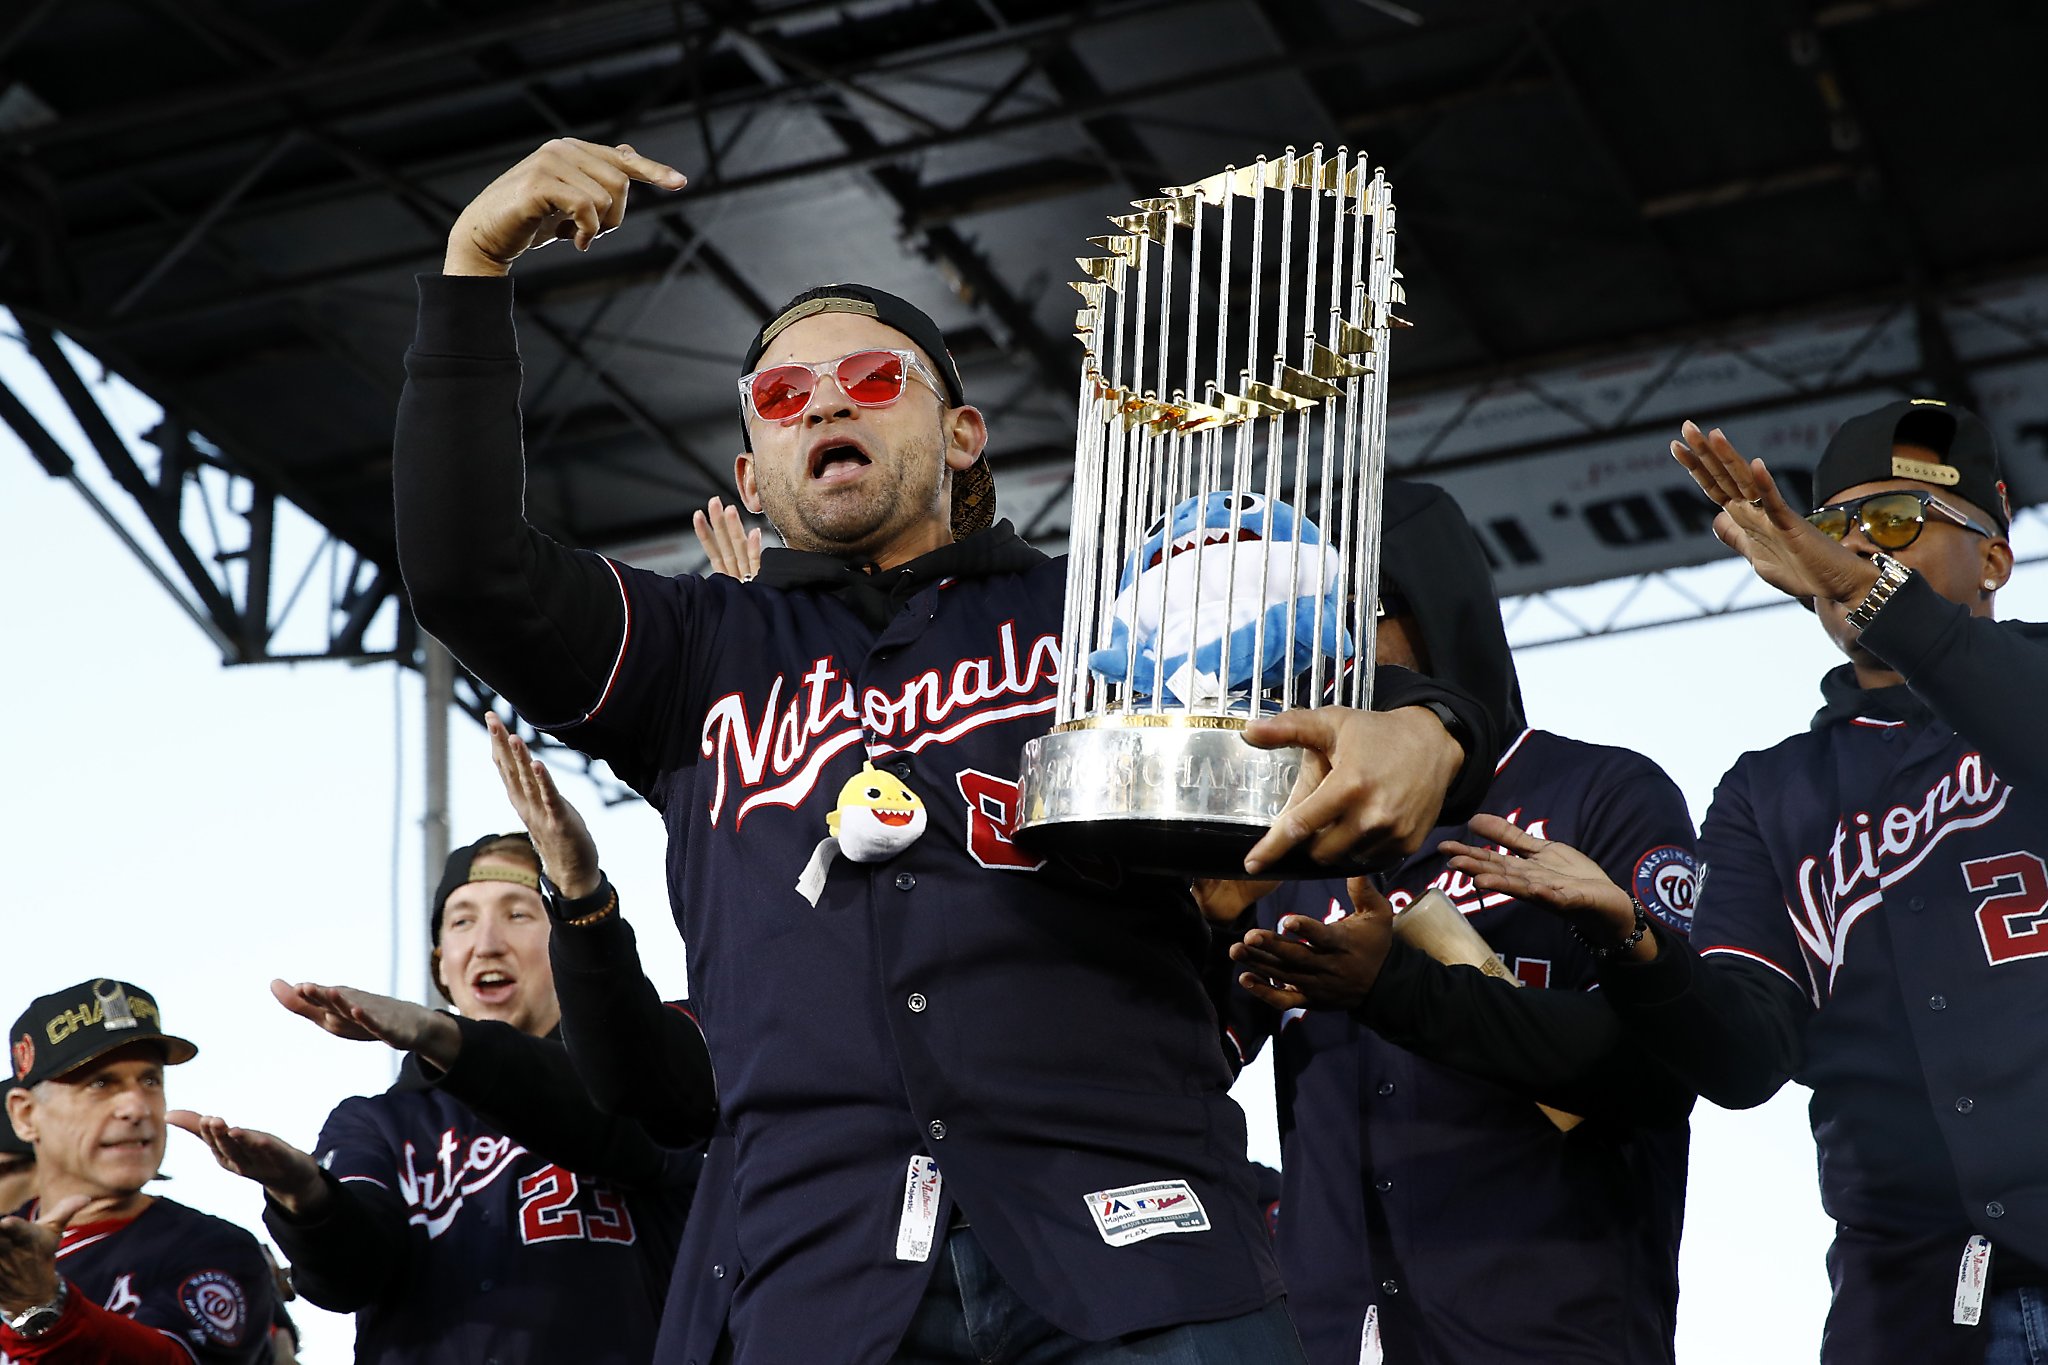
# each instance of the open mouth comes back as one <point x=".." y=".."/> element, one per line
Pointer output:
<point x="1201" y="535"/>
<point x="895" y="819"/>
<point x="837" y="460"/>
<point x="494" y="987"/>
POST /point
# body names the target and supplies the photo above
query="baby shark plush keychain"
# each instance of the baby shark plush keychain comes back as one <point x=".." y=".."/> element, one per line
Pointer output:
<point x="878" y="817"/>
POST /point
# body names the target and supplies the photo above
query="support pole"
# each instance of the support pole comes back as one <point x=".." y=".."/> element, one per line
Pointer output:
<point x="438" y="693"/>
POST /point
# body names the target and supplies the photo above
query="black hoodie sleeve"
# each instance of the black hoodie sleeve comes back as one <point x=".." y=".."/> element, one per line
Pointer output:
<point x="639" y="1058"/>
<point x="1566" y="1049"/>
<point x="347" y="1255"/>
<point x="1726" y="1027"/>
<point x="541" y="623"/>
<point x="528" y="1088"/>
<point x="1983" y="678"/>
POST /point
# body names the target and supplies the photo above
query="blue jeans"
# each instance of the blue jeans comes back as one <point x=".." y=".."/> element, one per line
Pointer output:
<point x="969" y="1316"/>
<point x="2018" y="1323"/>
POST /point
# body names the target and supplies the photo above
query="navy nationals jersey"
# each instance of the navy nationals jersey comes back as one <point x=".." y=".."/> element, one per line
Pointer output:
<point x="1435" y="1213"/>
<point x="954" y="1024"/>
<point x="1898" y="884"/>
<point x="497" y="1254"/>
<point x="1048" y="1042"/>
<point x="202" y="1282"/>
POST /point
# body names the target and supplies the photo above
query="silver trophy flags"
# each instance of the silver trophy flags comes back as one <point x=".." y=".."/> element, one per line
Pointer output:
<point x="1229" y="459"/>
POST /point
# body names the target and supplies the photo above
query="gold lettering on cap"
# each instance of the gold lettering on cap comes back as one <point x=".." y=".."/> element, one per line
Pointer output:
<point x="1906" y="467"/>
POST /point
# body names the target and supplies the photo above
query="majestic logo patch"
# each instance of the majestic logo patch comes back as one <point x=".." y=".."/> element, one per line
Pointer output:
<point x="1666" y="881"/>
<point x="214" y="1300"/>
<point x="1136" y="1212"/>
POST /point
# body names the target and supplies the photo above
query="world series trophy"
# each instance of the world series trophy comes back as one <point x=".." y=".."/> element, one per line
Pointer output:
<point x="1224" y="554"/>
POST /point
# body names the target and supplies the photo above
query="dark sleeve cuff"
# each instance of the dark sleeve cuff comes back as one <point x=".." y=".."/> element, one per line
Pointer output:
<point x="606" y="946"/>
<point x="1397" y="991"/>
<point x="466" y="315"/>
<point x="1913" y="627"/>
<point x="1657" y="982"/>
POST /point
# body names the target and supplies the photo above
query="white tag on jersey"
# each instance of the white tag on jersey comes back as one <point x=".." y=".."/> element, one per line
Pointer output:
<point x="1973" y="1277"/>
<point x="1370" y="1352"/>
<point x="918" y="1226"/>
<point x="1136" y="1212"/>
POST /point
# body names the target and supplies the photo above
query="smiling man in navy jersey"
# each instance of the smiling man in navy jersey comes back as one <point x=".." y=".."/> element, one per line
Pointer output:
<point x="1873" y="913"/>
<point x="975" y="1094"/>
<point x="96" y="1270"/>
<point x="481" y="1208"/>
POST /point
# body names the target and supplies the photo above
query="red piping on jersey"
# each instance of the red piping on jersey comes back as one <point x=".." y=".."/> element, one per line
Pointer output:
<point x="1526" y="732"/>
<point x="1753" y="956"/>
<point x="625" y="638"/>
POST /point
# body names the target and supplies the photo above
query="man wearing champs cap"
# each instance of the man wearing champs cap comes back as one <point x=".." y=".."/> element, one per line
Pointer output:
<point x="1872" y="918"/>
<point x="95" y="1270"/>
<point x="481" y="1208"/>
<point x="966" y="1085"/>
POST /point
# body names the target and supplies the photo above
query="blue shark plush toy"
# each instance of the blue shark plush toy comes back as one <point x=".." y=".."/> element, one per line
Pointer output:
<point x="1208" y="645"/>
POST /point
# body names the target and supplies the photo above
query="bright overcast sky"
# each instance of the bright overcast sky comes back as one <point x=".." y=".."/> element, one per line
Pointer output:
<point x="199" y="830"/>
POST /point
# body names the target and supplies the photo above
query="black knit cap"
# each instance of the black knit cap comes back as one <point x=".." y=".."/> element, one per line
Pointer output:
<point x="974" y="489"/>
<point x="461" y="869"/>
<point x="1861" y="452"/>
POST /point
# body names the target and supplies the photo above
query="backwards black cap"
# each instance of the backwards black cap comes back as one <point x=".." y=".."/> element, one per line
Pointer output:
<point x="974" y="489"/>
<point x="64" y="1030"/>
<point x="462" y="868"/>
<point x="1861" y="452"/>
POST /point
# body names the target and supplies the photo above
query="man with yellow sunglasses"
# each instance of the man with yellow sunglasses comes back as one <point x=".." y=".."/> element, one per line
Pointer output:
<point x="1872" y="919"/>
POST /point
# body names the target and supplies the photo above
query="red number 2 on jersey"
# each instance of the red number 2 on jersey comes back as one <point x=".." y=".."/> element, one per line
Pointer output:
<point x="992" y="816"/>
<point x="545" y="1214"/>
<point x="2013" y="923"/>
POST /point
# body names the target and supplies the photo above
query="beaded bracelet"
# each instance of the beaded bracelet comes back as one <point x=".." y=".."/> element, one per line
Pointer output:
<point x="1636" y="932"/>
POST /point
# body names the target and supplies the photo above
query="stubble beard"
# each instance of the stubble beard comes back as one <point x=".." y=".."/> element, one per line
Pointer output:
<point x="898" y="490"/>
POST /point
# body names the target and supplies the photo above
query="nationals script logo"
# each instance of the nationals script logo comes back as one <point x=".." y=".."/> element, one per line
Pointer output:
<point x="778" y="752"/>
<point x="1873" y="850"/>
<point x="460" y="1169"/>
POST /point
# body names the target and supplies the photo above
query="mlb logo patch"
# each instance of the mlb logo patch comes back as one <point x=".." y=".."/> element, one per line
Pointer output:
<point x="1666" y="884"/>
<point x="1136" y="1212"/>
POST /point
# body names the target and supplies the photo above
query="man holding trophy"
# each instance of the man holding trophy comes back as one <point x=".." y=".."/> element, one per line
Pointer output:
<point x="980" y="1109"/>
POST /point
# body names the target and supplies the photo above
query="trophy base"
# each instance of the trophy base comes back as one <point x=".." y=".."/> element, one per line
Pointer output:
<point x="1174" y="794"/>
